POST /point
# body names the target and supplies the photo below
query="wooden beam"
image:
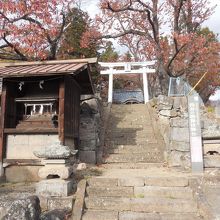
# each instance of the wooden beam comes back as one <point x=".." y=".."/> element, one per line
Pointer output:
<point x="2" y="120"/>
<point x="31" y="131"/>
<point x="87" y="60"/>
<point x="61" y="111"/>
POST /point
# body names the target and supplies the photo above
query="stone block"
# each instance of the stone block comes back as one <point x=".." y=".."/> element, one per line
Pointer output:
<point x="60" y="202"/>
<point x="165" y="192"/>
<point x="179" y="134"/>
<point x="62" y="171"/>
<point x="54" y="187"/>
<point x="167" y="181"/>
<point x="138" y="216"/>
<point x="108" y="203"/>
<point x="110" y="191"/>
<point x="178" y="216"/>
<point x="169" y="113"/>
<point x="88" y="145"/>
<point x="161" y="107"/>
<point x="212" y="161"/>
<point x="209" y="148"/>
<point x="131" y="182"/>
<point x="179" y="122"/>
<point x="89" y="136"/>
<point x="99" y="182"/>
<point x="100" y="215"/>
<point x="180" y="146"/>
<point x="22" y="173"/>
<point x="164" y="205"/>
<point x="177" y="158"/>
<point x="87" y="156"/>
<point x="164" y="100"/>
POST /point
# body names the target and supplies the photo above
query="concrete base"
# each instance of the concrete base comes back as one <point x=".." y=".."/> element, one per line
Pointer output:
<point x="54" y="187"/>
<point x="18" y="174"/>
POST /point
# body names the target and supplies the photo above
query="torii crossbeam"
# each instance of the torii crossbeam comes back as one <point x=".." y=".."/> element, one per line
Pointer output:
<point x="128" y="68"/>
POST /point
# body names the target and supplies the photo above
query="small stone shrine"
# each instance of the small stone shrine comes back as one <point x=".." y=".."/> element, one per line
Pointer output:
<point x="57" y="170"/>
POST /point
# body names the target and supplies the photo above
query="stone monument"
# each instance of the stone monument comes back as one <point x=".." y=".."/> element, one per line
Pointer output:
<point x="56" y="173"/>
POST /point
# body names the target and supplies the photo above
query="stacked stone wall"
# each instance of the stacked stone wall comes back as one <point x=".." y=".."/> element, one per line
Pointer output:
<point x="173" y="121"/>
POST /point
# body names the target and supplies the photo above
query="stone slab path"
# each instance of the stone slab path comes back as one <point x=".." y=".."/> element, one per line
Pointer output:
<point x="135" y="183"/>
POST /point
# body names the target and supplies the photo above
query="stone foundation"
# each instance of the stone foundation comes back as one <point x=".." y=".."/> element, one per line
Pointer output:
<point x="17" y="174"/>
<point x="54" y="187"/>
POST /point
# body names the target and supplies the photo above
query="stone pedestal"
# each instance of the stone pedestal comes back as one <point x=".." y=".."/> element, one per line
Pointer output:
<point x="54" y="187"/>
<point x="54" y="167"/>
<point x="57" y="171"/>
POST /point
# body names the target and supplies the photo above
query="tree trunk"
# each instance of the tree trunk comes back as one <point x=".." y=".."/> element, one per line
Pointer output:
<point x="159" y="82"/>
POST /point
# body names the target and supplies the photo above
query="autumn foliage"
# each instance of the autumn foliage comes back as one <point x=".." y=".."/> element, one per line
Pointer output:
<point x="31" y="30"/>
<point x="168" y="31"/>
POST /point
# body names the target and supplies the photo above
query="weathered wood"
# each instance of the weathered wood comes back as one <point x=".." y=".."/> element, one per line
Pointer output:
<point x="61" y="111"/>
<point x="22" y="161"/>
<point x="87" y="60"/>
<point x="31" y="131"/>
<point x="71" y="109"/>
<point x="2" y="120"/>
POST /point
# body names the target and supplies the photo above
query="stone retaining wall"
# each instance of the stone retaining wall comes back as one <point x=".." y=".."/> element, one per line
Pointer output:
<point x="173" y="121"/>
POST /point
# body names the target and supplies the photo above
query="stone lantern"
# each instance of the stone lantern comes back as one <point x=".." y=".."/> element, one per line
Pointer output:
<point x="56" y="173"/>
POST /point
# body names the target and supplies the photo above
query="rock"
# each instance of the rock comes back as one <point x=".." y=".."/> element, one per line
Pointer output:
<point x="179" y="134"/>
<point x="55" y="151"/>
<point x="87" y="156"/>
<point x="164" y="100"/>
<point x="169" y="113"/>
<point x="81" y="166"/>
<point x="58" y="214"/>
<point x="87" y="110"/>
<point x="24" y="209"/>
<point x="179" y="122"/>
<point x="179" y="159"/>
<point x="164" y="107"/>
<point x="180" y="146"/>
<point x="94" y="104"/>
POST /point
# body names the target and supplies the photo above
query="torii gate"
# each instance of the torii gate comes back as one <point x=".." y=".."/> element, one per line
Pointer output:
<point x="128" y="68"/>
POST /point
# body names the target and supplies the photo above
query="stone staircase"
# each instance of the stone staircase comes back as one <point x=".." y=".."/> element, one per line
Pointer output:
<point x="151" y="198"/>
<point x="130" y="137"/>
<point x="134" y="184"/>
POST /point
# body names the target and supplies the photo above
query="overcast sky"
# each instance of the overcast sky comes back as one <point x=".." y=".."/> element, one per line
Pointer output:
<point x="213" y="23"/>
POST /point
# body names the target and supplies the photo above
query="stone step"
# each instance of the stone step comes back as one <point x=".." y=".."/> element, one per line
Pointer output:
<point x="120" y="149"/>
<point x="165" y="192"/>
<point x="131" y="165"/>
<point x="157" y="216"/>
<point x="119" y="125"/>
<point x="102" y="181"/>
<point x="100" y="215"/>
<point x="150" y="204"/>
<point x="150" y="157"/>
<point x="166" y="181"/>
<point x="104" y="191"/>
<point x="131" y="141"/>
<point x="130" y="134"/>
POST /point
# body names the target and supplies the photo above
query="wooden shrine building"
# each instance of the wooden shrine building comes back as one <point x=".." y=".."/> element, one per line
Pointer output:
<point x="40" y="105"/>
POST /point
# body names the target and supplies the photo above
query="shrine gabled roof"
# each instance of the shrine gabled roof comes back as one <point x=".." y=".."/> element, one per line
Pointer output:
<point x="25" y="69"/>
